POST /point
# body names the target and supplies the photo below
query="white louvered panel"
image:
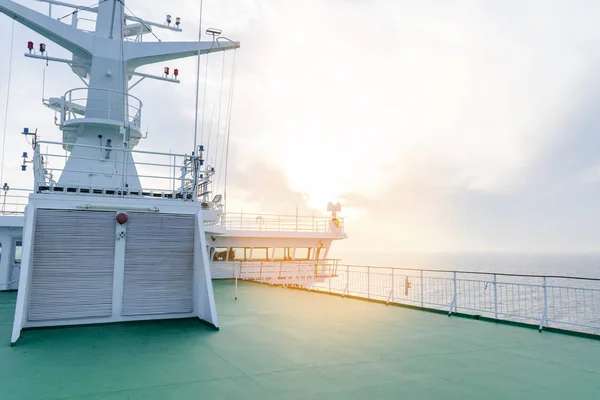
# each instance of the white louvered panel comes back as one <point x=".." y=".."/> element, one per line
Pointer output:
<point x="159" y="258"/>
<point x="73" y="264"/>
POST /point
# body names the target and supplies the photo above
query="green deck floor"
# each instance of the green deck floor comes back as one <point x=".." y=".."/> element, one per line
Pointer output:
<point x="278" y="343"/>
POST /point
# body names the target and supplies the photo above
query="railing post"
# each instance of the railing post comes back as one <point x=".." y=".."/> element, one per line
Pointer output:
<point x="455" y="296"/>
<point x="545" y="314"/>
<point x="347" y="280"/>
<point x="495" y="298"/>
<point x="237" y="275"/>
<point x="37" y="170"/>
<point x="63" y="111"/>
<point x="392" y="291"/>
<point x="368" y="282"/>
<point x="422" y="289"/>
<point x="330" y="275"/>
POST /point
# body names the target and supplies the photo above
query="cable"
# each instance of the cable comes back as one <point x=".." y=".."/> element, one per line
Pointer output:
<point x="7" y="99"/>
<point x="228" y="134"/>
<point x="139" y="20"/>
<point x="210" y="133"/>
<point x="85" y="8"/>
<point x="197" y="95"/>
<point x="220" y="101"/>
<point x="197" y="80"/>
<point x="222" y="157"/>
<point x="204" y="98"/>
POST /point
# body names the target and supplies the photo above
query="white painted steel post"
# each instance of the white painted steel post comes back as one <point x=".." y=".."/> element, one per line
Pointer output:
<point x="38" y="169"/>
<point x="347" y="280"/>
<point x="280" y="268"/>
<point x="495" y="298"/>
<point x="421" y="288"/>
<point x="546" y="301"/>
<point x="455" y="295"/>
<point x="545" y="314"/>
<point x="237" y="274"/>
<point x="330" y="276"/>
<point x="393" y="298"/>
<point x="368" y="282"/>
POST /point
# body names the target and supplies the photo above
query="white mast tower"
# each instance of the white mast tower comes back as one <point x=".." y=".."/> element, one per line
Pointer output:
<point x="98" y="247"/>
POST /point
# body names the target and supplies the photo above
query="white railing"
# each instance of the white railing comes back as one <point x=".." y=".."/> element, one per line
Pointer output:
<point x="167" y="175"/>
<point x="571" y="303"/>
<point x="286" y="223"/>
<point x="302" y="274"/>
<point x="103" y="104"/>
<point x="13" y="201"/>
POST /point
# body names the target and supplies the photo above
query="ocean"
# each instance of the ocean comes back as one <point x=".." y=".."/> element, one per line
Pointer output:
<point x="564" y="264"/>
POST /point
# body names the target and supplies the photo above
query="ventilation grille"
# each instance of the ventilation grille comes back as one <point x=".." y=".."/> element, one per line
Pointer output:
<point x="159" y="262"/>
<point x="73" y="265"/>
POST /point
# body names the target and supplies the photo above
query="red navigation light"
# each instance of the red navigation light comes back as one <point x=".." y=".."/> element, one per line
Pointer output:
<point x="122" y="218"/>
<point x="167" y="71"/>
<point x="176" y="72"/>
<point x="42" y="48"/>
<point x="30" y="45"/>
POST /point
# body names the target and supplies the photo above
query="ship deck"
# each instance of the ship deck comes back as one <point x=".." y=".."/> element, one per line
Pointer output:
<point x="277" y="343"/>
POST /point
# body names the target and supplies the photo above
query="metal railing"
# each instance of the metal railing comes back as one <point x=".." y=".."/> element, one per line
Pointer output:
<point x="286" y="223"/>
<point x="101" y="103"/>
<point x="267" y="270"/>
<point x="571" y="303"/>
<point x="13" y="201"/>
<point x="166" y="175"/>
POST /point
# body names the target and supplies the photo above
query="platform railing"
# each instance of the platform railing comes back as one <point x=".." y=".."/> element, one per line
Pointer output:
<point x="564" y="302"/>
<point x="13" y="201"/>
<point x="285" y="223"/>
<point x="103" y="104"/>
<point x="168" y="175"/>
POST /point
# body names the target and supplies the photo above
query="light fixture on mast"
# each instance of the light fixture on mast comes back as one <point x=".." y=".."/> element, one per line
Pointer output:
<point x="30" y="46"/>
<point x="166" y="71"/>
<point x="214" y="32"/>
<point x="177" y="22"/>
<point x="168" y="20"/>
<point x="42" y="48"/>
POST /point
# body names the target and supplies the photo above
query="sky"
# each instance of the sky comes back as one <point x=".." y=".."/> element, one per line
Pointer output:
<point x="440" y="126"/>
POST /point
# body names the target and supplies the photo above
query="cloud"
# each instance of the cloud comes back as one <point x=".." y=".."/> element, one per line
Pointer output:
<point x="439" y="125"/>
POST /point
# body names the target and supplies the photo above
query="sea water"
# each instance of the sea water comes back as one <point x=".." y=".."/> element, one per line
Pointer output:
<point x="563" y="264"/>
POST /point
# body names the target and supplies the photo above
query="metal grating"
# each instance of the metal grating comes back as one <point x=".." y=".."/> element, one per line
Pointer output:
<point x="159" y="259"/>
<point x="73" y="265"/>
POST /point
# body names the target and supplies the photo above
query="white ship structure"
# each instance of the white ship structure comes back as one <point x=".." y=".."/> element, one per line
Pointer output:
<point x="112" y="233"/>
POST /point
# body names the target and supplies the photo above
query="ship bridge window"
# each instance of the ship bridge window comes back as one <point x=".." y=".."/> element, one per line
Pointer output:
<point x="219" y="253"/>
<point x="302" y="253"/>
<point x="18" y="251"/>
<point x="259" y="254"/>
<point x="278" y="254"/>
<point x="238" y="254"/>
